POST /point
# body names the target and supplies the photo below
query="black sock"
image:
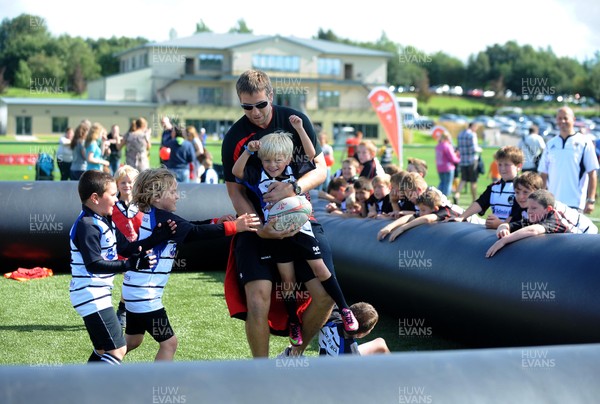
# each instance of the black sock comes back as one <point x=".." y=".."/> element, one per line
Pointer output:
<point x="332" y="287"/>
<point x="290" y="305"/>
<point x="122" y="306"/>
<point x="94" y="357"/>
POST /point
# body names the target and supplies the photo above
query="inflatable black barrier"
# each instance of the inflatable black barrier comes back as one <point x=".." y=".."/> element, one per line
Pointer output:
<point x="436" y="280"/>
<point x="564" y="374"/>
<point x="37" y="217"/>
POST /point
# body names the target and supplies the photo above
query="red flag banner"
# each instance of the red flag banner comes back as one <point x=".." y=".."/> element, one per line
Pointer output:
<point x="386" y="106"/>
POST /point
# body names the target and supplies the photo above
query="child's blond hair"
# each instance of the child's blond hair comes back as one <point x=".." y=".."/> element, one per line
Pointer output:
<point x="126" y="170"/>
<point x="352" y="161"/>
<point x="276" y="144"/>
<point x="150" y="185"/>
<point x="381" y="179"/>
<point x="370" y="147"/>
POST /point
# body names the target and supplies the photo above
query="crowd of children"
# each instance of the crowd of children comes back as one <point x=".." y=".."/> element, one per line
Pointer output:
<point x="407" y="201"/>
<point x="141" y="236"/>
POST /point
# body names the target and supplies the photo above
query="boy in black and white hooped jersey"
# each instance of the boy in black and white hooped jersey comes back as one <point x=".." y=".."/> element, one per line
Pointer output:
<point x="155" y="193"/>
<point x="95" y="246"/>
<point x="500" y="195"/>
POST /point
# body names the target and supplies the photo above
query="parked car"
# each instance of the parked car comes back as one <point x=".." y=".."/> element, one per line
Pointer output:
<point x="505" y="124"/>
<point x="485" y="120"/>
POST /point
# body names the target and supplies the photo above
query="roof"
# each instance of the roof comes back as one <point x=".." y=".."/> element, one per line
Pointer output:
<point x="210" y="40"/>
<point x="72" y="102"/>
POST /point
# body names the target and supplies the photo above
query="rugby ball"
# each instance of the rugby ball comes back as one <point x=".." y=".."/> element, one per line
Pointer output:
<point x="292" y="211"/>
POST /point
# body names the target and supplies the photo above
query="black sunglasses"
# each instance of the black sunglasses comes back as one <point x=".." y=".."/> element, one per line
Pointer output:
<point x="258" y="105"/>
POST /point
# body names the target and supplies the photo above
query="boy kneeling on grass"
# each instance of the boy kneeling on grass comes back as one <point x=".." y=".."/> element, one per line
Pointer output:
<point x="95" y="246"/>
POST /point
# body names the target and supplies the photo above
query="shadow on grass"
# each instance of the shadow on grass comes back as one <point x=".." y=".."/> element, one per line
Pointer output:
<point x="41" y="327"/>
<point x="214" y="277"/>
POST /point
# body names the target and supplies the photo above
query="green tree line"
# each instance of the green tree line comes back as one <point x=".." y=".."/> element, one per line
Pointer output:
<point x="28" y="53"/>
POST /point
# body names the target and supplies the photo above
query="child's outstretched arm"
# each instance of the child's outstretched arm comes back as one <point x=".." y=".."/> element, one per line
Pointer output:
<point x="430" y="218"/>
<point x="387" y="229"/>
<point x="240" y="164"/>
<point x="529" y="231"/>
<point x="471" y="210"/>
<point x="309" y="149"/>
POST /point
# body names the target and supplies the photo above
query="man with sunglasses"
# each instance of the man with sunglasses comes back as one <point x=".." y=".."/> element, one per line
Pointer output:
<point x="254" y="272"/>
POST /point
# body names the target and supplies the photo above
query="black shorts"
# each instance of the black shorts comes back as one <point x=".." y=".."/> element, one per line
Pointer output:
<point x="469" y="173"/>
<point x="155" y="322"/>
<point x="254" y="263"/>
<point x="105" y="330"/>
<point x="300" y="247"/>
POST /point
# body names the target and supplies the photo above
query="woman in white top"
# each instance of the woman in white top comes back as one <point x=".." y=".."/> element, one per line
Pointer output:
<point x="64" y="154"/>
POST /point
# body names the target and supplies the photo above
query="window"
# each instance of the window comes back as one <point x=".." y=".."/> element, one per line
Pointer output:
<point x="329" y="67"/>
<point x="210" y="61"/>
<point x="59" y="124"/>
<point x="189" y="66"/>
<point x="329" y="99"/>
<point x="276" y="63"/>
<point x="23" y="125"/>
<point x="212" y="127"/>
<point x="290" y="99"/>
<point x="210" y="95"/>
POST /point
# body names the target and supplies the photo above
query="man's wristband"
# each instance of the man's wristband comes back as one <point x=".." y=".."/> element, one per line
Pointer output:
<point x="592" y="201"/>
<point x="248" y="150"/>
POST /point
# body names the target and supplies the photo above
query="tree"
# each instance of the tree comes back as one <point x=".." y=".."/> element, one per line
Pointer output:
<point x="104" y="50"/>
<point x="240" y="28"/>
<point x="22" y="77"/>
<point x="21" y="38"/>
<point x="78" y="84"/>
<point x="3" y="83"/>
<point x="445" y="69"/>
<point x="202" y="27"/>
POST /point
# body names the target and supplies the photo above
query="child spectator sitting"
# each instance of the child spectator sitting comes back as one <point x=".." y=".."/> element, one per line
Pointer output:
<point x="499" y="195"/>
<point x="525" y="185"/>
<point x="391" y="169"/>
<point x="413" y="185"/>
<point x="366" y="152"/>
<point x="400" y="205"/>
<point x="542" y="219"/>
<point x="416" y="165"/>
<point x="210" y="175"/>
<point x="336" y="195"/>
<point x="363" y="189"/>
<point x="335" y="341"/>
<point x="349" y="170"/>
<point x="430" y="211"/>
<point x="378" y="204"/>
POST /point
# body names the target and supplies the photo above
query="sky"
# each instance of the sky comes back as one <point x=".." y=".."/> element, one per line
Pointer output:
<point x="459" y="28"/>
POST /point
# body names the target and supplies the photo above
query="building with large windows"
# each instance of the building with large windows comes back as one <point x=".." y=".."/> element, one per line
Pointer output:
<point x="192" y="80"/>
